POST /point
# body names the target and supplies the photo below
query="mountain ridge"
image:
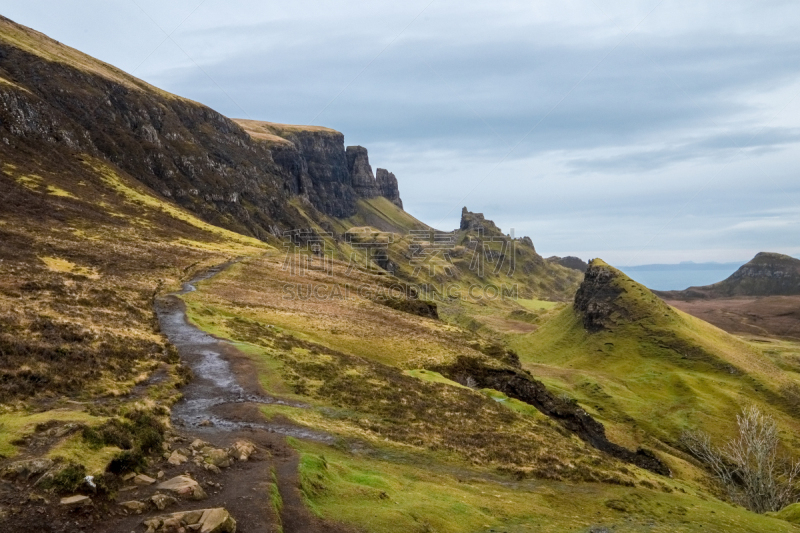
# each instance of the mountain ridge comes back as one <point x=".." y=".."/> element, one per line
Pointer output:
<point x="767" y="274"/>
<point x="55" y="98"/>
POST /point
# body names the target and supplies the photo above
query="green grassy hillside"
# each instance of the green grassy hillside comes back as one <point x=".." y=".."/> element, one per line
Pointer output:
<point x="437" y="456"/>
<point x="653" y="371"/>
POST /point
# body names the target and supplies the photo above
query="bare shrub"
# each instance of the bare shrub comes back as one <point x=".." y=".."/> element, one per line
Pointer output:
<point x="750" y="466"/>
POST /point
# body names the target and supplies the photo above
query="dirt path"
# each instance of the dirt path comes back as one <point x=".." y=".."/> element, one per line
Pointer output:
<point x="225" y="393"/>
<point x="220" y="406"/>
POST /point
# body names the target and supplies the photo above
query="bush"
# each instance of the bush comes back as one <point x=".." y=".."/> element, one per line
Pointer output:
<point x="138" y="434"/>
<point x="66" y="479"/>
<point x="749" y="466"/>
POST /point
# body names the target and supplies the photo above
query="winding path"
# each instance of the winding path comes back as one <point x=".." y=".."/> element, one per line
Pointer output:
<point x="221" y="403"/>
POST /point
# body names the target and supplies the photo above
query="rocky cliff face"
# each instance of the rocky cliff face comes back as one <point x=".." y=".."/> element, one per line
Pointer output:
<point x="476" y="221"/>
<point x="361" y="174"/>
<point x="55" y="100"/>
<point x="608" y="298"/>
<point x="596" y="299"/>
<point x="387" y="187"/>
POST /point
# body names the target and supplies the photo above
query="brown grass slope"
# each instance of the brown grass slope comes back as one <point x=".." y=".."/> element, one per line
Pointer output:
<point x="56" y="99"/>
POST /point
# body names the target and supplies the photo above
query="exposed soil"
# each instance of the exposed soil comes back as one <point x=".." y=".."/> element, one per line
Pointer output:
<point x="774" y="316"/>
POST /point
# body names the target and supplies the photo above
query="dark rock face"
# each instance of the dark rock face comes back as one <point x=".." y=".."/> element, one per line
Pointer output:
<point x="575" y="263"/>
<point x="596" y="298"/>
<point x="367" y="185"/>
<point x="320" y="168"/>
<point x="363" y="180"/>
<point x="387" y="187"/>
<point x="476" y="221"/>
<point x="180" y="149"/>
<point x="520" y="386"/>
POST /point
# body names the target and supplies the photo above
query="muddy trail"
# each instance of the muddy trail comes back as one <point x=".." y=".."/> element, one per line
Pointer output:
<point x="220" y="407"/>
<point x="224" y="386"/>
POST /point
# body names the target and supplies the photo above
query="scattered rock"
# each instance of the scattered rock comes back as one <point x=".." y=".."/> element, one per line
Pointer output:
<point x="177" y="458"/>
<point x="75" y="501"/>
<point x="184" y="486"/>
<point x="242" y="450"/>
<point x="135" y="506"/>
<point x="162" y="501"/>
<point x="142" y="479"/>
<point x="206" y="423"/>
<point x="216" y="520"/>
<point x="198" y="444"/>
<point x="212" y="468"/>
<point x="129" y="476"/>
<point x="160" y="474"/>
<point x="218" y="458"/>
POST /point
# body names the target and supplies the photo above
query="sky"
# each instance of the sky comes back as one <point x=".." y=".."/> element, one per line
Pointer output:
<point x="653" y="131"/>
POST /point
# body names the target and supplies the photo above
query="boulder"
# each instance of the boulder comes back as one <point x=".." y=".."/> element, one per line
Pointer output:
<point x="75" y="501"/>
<point x="218" y="458"/>
<point x="134" y="506"/>
<point x="242" y="450"/>
<point x="177" y="458"/>
<point x="184" y="486"/>
<point x="162" y="501"/>
<point x="142" y="479"/>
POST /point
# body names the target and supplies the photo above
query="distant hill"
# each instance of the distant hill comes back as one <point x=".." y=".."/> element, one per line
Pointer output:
<point x="767" y="274"/>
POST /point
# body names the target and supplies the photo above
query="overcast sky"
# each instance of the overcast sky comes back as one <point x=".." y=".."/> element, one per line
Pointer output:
<point x="637" y="131"/>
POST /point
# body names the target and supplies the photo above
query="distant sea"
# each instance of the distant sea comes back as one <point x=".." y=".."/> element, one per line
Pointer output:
<point x="680" y="276"/>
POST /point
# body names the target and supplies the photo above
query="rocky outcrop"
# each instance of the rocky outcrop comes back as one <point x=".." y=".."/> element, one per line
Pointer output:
<point x="575" y="263"/>
<point x="767" y="274"/>
<point x="387" y="186"/>
<point x="519" y="385"/>
<point x="317" y="161"/>
<point x="363" y="180"/>
<point x="596" y="299"/>
<point x="476" y="222"/>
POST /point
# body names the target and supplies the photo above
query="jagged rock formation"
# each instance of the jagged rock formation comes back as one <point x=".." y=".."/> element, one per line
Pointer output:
<point x="575" y="263"/>
<point x="607" y="298"/>
<point x="361" y="172"/>
<point x="387" y="187"/>
<point x="477" y="222"/>
<point x="596" y="298"/>
<point x="767" y="274"/>
<point x="58" y="102"/>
